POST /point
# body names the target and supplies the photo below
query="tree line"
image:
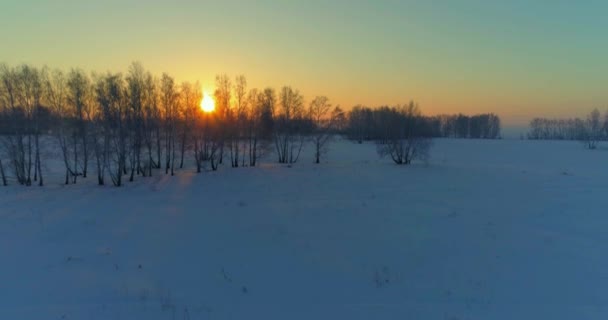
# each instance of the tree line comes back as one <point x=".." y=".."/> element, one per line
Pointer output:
<point x="119" y="126"/>
<point x="589" y="130"/>
<point x="366" y="123"/>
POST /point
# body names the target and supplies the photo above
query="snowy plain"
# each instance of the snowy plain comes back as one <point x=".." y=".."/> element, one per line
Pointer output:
<point x="502" y="229"/>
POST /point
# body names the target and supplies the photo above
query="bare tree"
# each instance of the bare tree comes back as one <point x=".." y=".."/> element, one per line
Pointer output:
<point x="101" y="130"/>
<point x="214" y="140"/>
<point x="78" y="84"/>
<point x="189" y="107"/>
<point x="56" y="96"/>
<point x="405" y="139"/>
<point x="168" y="98"/>
<point x="591" y="131"/>
<point x="190" y="98"/>
<point x="223" y="97"/>
<point x="254" y="103"/>
<point x="31" y="84"/>
<point x="13" y="142"/>
<point x="237" y="144"/>
<point x="289" y="133"/>
<point x="198" y="137"/>
<point x="151" y="123"/>
<point x="258" y="124"/>
<point x="21" y="91"/>
<point x="3" y="128"/>
<point x="136" y="95"/>
<point x="319" y="112"/>
<point x="111" y="146"/>
<point x="594" y="129"/>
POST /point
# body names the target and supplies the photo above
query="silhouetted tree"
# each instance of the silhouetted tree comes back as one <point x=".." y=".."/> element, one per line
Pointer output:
<point x="135" y="80"/>
<point x="223" y="94"/>
<point x="591" y="131"/>
<point x="151" y="122"/>
<point x="21" y="91"/>
<point x="78" y="85"/>
<point x="168" y="101"/>
<point x="236" y="122"/>
<point x="404" y="139"/>
<point x="111" y="142"/>
<point x="190" y="98"/>
<point x="319" y="112"/>
<point x="65" y="130"/>
<point x="289" y="132"/>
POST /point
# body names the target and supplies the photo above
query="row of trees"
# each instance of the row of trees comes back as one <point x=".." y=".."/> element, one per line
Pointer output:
<point x="369" y="124"/>
<point x="481" y="126"/>
<point x="125" y="126"/>
<point x="589" y="131"/>
<point x="119" y="126"/>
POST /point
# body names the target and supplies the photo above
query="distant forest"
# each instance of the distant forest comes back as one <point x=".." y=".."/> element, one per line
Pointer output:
<point x="121" y="126"/>
<point x="370" y="124"/>
<point x="589" y="131"/>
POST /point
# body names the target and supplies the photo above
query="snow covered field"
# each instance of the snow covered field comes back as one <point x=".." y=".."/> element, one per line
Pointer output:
<point x="487" y="230"/>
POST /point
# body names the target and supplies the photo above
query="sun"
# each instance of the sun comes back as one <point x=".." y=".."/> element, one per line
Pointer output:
<point x="207" y="104"/>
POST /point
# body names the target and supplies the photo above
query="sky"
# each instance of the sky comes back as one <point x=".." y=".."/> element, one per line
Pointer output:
<point x="519" y="59"/>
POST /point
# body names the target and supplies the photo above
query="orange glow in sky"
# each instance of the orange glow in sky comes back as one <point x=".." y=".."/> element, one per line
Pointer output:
<point x="518" y="59"/>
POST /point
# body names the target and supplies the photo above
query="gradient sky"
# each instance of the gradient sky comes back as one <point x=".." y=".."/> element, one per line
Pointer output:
<point x="517" y="58"/>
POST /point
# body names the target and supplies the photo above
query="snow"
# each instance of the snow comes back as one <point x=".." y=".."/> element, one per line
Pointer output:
<point x="503" y="229"/>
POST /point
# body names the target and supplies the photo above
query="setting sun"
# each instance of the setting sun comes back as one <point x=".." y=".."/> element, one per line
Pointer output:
<point x="207" y="104"/>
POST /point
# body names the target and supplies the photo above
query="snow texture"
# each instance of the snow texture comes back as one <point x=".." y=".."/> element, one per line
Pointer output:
<point x="503" y="229"/>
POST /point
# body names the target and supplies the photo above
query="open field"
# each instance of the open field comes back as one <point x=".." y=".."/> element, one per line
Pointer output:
<point x="494" y="229"/>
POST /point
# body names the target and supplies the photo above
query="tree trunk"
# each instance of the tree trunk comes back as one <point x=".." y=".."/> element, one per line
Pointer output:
<point x="75" y="173"/>
<point x="150" y="160"/>
<point x="172" y="160"/>
<point x="167" y="150"/>
<point x="39" y="167"/>
<point x="29" y="160"/>
<point x="2" y="174"/>
<point x="158" y="147"/>
<point x="85" y="150"/>
<point x="183" y="150"/>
